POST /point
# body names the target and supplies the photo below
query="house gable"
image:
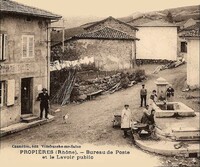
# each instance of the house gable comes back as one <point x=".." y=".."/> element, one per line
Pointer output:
<point x="106" y="33"/>
<point x="113" y="23"/>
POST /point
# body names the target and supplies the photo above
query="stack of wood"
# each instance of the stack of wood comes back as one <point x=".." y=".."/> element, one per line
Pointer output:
<point x="67" y="86"/>
<point x="170" y="65"/>
<point x="63" y="95"/>
<point x="87" y="89"/>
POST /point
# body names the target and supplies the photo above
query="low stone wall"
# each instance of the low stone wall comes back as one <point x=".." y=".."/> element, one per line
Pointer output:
<point x="152" y="61"/>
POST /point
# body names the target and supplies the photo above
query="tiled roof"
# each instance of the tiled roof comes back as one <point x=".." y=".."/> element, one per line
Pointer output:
<point x="106" y="33"/>
<point x="181" y="23"/>
<point x="109" y="18"/>
<point x="157" y="23"/>
<point x="192" y="27"/>
<point x="7" y="6"/>
<point x="139" y="21"/>
<point x="192" y="31"/>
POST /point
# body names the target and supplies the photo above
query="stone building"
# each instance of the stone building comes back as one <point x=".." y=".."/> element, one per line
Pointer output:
<point x="24" y="59"/>
<point x="158" y="41"/>
<point x="182" y="42"/>
<point x="112" y="44"/>
<point x="111" y="49"/>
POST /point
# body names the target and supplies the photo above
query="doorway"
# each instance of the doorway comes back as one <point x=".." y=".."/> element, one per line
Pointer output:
<point x="26" y="95"/>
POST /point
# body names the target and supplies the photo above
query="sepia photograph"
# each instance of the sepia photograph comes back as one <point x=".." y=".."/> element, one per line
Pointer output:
<point x="100" y="83"/>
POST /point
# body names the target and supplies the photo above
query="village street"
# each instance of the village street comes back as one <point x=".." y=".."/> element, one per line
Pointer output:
<point x="91" y="121"/>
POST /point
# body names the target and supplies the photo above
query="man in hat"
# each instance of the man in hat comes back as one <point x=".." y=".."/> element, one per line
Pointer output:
<point x="170" y="93"/>
<point x="143" y="95"/>
<point x="44" y="103"/>
<point x="126" y="120"/>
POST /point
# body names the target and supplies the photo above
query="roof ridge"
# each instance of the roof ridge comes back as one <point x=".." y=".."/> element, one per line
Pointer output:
<point x="104" y="28"/>
<point x="157" y="21"/>
<point x="33" y="7"/>
<point x="29" y="7"/>
<point x="110" y="17"/>
<point x="106" y="33"/>
<point x="118" y="30"/>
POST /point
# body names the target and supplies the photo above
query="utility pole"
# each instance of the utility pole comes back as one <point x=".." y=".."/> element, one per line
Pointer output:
<point x="49" y="29"/>
<point x="63" y="40"/>
<point x="63" y="36"/>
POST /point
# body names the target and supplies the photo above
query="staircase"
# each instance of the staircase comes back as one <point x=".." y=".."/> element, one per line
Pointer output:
<point x="27" y="118"/>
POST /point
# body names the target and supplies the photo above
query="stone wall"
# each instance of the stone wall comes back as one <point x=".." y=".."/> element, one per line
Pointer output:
<point x="15" y="67"/>
<point x="108" y="54"/>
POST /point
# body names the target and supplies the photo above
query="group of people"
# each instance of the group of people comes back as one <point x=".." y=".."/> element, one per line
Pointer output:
<point x="149" y="111"/>
<point x="163" y="96"/>
<point x="126" y="116"/>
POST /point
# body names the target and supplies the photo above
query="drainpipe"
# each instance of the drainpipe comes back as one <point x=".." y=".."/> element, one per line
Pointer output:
<point x="48" y="59"/>
<point x="49" y="52"/>
<point x="63" y="37"/>
<point x="133" y="53"/>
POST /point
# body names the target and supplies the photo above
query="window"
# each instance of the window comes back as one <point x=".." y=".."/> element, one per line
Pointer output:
<point x="3" y="46"/>
<point x="27" y="46"/>
<point x="2" y="93"/>
<point x="184" y="47"/>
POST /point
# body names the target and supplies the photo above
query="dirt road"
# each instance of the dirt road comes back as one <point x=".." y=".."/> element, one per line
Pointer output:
<point x="90" y="122"/>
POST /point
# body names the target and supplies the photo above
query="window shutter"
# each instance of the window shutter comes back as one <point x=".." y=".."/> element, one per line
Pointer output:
<point x="1" y="46"/>
<point x="1" y="93"/>
<point x="10" y="92"/>
<point x="24" y="46"/>
<point x="5" y="47"/>
<point x="31" y="46"/>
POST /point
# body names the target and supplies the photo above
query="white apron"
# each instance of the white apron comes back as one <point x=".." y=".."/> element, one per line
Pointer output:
<point x="126" y="118"/>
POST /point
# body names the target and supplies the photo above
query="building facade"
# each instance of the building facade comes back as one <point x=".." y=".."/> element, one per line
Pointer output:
<point x="24" y="59"/>
<point x="158" y="41"/>
<point x="193" y="42"/>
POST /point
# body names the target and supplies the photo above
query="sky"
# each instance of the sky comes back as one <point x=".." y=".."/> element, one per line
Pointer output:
<point x="104" y="8"/>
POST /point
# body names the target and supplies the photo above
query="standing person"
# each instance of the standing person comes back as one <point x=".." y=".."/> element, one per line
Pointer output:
<point x="152" y="99"/>
<point x="143" y="95"/>
<point x="126" y="120"/>
<point x="162" y="96"/>
<point x="44" y="103"/>
<point x="170" y="93"/>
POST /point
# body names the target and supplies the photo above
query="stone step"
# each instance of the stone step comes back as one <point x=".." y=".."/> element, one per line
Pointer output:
<point x="30" y="119"/>
<point x="26" y="115"/>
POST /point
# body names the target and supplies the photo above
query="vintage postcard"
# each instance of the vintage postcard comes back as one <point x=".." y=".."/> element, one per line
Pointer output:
<point x="99" y="83"/>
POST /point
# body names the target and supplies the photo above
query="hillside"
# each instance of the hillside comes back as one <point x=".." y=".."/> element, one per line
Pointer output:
<point x="71" y="22"/>
<point x="74" y="27"/>
<point x="178" y="14"/>
<point x="56" y="36"/>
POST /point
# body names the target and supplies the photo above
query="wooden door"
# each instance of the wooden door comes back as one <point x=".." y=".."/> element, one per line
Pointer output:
<point x="26" y="96"/>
